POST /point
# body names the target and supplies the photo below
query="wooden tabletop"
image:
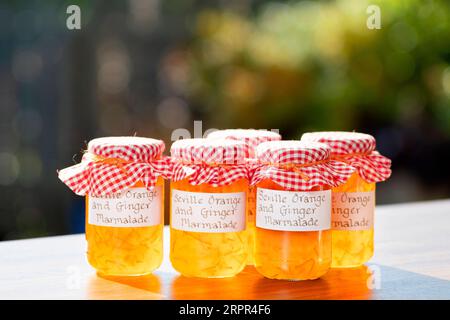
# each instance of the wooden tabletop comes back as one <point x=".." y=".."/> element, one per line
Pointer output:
<point x="412" y="261"/>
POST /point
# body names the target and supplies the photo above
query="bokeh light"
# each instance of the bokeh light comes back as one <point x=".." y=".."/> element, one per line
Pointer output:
<point x="9" y="168"/>
<point x="30" y="168"/>
<point x="114" y="67"/>
<point x="26" y="65"/>
<point x="173" y="113"/>
<point x="28" y="124"/>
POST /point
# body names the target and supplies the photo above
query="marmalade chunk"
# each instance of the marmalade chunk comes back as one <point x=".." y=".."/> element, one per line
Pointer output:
<point x="292" y="255"/>
<point x="208" y="255"/>
<point x="122" y="251"/>
<point x="352" y="248"/>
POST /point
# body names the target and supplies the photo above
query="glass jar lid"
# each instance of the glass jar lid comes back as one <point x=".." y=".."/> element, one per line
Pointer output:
<point x="209" y="151"/>
<point x="135" y="149"/>
<point x="251" y="137"/>
<point x="342" y="142"/>
<point x="292" y="152"/>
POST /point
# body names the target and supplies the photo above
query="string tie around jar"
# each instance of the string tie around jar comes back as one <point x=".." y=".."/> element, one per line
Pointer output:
<point x="344" y="157"/>
<point x="206" y="164"/>
<point x="118" y="162"/>
<point x="296" y="167"/>
<point x="216" y="174"/>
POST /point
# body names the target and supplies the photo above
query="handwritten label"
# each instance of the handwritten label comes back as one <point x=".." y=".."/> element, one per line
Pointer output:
<point x="208" y="212"/>
<point x="353" y="210"/>
<point x="135" y="207"/>
<point x="293" y="210"/>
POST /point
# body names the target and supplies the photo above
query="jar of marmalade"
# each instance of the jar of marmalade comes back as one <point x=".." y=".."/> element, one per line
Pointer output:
<point x="293" y="208"/>
<point x="252" y="138"/>
<point x="208" y="206"/>
<point x="122" y="179"/>
<point x="354" y="202"/>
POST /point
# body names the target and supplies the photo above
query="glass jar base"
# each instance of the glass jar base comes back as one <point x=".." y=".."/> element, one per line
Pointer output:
<point x="349" y="266"/>
<point x="295" y="279"/>
<point x="204" y="275"/>
<point x="107" y="274"/>
<point x="125" y="272"/>
<point x="208" y="277"/>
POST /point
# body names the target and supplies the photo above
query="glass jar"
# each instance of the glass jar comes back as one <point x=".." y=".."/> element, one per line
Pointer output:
<point x="208" y="206"/>
<point x="354" y="201"/>
<point x="352" y="248"/>
<point x="113" y="248"/>
<point x="124" y="193"/>
<point x="252" y="138"/>
<point x="292" y="254"/>
<point x="293" y="209"/>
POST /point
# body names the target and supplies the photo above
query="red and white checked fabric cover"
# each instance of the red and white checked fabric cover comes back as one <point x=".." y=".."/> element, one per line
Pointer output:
<point x="299" y="166"/>
<point x="217" y="162"/>
<point x="114" y="164"/>
<point x="251" y="137"/>
<point x="356" y="149"/>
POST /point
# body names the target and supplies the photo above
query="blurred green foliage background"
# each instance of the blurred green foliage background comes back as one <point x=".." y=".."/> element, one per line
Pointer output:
<point x="315" y="65"/>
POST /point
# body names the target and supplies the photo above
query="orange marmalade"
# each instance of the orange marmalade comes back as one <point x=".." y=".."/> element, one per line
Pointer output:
<point x="115" y="249"/>
<point x="353" y="202"/>
<point x="293" y="210"/>
<point x="292" y="255"/>
<point x="352" y="248"/>
<point x="121" y="179"/>
<point x="252" y="138"/>
<point x="208" y="206"/>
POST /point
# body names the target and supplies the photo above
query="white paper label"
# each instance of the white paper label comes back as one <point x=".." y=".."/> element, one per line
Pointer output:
<point x="353" y="210"/>
<point x="208" y="212"/>
<point x="135" y="207"/>
<point x="293" y="210"/>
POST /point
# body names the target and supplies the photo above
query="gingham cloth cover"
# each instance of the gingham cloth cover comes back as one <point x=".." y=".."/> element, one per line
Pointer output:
<point x="251" y="137"/>
<point x="299" y="166"/>
<point x="139" y="159"/>
<point x="217" y="162"/>
<point x="356" y="149"/>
